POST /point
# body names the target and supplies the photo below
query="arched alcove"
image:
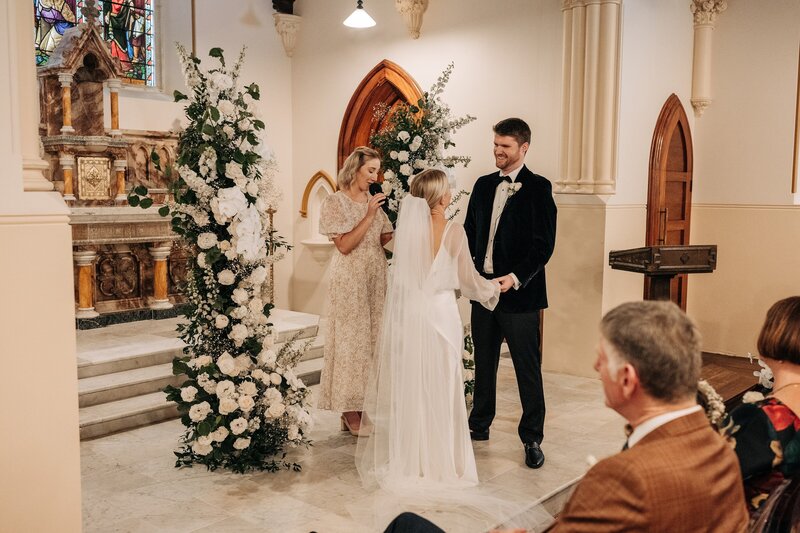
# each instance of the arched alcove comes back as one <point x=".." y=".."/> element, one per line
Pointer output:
<point x="387" y="84"/>
<point x="319" y="187"/>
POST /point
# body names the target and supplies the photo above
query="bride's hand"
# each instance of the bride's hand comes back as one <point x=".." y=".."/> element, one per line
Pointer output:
<point x="375" y="203"/>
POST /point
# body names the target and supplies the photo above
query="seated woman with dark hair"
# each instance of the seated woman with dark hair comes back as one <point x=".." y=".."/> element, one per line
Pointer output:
<point x="767" y="433"/>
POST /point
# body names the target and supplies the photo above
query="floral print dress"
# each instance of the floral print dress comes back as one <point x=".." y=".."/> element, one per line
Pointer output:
<point x="766" y="435"/>
<point x="356" y="292"/>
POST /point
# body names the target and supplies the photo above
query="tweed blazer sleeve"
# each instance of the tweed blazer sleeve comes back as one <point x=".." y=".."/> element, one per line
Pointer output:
<point x="610" y="497"/>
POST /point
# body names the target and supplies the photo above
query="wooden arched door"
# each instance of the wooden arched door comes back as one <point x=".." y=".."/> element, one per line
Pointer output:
<point x="386" y="84"/>
<point x="669" y="196"/>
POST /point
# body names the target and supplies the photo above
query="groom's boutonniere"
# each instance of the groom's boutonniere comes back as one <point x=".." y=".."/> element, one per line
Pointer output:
<point x="513" y="188"/>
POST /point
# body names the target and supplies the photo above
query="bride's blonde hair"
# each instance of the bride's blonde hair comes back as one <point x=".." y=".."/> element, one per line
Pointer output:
<point x="431" y="185"/>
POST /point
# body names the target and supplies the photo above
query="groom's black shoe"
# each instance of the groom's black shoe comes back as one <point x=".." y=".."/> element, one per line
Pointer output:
<point x="479" y="435"/>
<point x="534" y="457"/>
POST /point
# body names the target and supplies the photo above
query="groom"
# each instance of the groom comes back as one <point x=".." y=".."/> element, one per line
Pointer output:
<point x="511" y="228"/>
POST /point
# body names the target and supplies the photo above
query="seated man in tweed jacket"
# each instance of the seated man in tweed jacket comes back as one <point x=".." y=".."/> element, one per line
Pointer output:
<point x="675" y="472"/>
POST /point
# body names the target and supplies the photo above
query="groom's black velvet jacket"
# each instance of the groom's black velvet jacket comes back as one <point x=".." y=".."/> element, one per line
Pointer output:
<point x="525" y="237"/>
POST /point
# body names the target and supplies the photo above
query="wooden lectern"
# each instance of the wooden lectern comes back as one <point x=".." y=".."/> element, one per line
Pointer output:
<point x="662" y="263"/>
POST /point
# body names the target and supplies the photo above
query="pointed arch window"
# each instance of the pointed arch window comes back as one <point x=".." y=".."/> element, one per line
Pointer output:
<point x="128" y="26"/>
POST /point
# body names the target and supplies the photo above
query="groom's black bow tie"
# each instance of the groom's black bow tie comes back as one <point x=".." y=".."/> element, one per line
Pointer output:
<point x="504" y="178"/>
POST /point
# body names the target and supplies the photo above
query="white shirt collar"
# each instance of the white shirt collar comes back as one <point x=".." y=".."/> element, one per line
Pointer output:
<point x="513" y="174"/>
<point x="651" y="424"/>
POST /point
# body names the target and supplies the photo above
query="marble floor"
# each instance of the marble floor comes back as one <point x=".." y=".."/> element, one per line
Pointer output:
<point x="130" y="483"/>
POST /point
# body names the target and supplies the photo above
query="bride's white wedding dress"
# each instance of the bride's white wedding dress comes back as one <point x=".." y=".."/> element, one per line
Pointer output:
<point x="415" y="412"/>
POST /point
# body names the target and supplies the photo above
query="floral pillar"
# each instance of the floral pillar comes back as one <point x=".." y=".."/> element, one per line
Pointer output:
<point x="160" y="254"/>
<point x="705" y="15"/>
<point x="84" y="259"/>
<point x="113" y="91"/>
<point x="66" y="103"/>
<point x="67" y="162"/>
<point x="119" y="169"/>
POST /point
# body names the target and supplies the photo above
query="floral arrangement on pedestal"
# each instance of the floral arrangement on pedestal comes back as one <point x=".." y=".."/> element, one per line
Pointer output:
<point x="241" y="403"/>
<point x="468" y="361"/>
<point x="415" y="137"/>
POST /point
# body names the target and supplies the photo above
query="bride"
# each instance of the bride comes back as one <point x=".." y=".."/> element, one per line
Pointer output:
<point x="415" y="412"/>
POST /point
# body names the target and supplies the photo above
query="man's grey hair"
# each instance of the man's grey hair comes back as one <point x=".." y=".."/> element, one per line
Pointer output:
<point x="660" y="342"/>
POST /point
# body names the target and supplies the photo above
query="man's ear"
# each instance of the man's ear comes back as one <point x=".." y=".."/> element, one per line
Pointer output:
<point x="524" y="148"/>
<point x="629" y="380"/>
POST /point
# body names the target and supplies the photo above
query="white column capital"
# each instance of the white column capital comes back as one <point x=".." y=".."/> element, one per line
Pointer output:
<point x="67" y="160"/>
<point x="160" y="253"/>
<point x="120" y="164"/>
<point x="705" y="11"/>
<point x="65" y="78"/>
<point x="114" y="85"/>
<point x="287" y="27"/>
<point x="412" y="11"/>
<point x="84" y="257"/>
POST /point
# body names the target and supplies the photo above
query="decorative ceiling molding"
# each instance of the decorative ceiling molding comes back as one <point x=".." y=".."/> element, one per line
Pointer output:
<point x="287" y="27"/>
<point x="412" y="11"/>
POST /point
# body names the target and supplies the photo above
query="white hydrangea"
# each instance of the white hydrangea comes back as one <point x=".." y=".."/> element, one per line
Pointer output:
<point x="293" y="433"/>
<point x="258" y="276"/>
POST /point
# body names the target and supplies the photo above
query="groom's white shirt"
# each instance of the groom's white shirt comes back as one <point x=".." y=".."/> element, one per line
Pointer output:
<point x="500" y="198"/>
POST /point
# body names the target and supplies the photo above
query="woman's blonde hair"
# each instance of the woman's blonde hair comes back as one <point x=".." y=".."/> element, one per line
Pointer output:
<point x="355" y="161"/>
<point x="431" y="185"/>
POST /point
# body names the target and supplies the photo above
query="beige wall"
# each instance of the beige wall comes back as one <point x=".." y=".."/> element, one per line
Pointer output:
<point x="508" y="62"/>
<point x="743" y="162"/>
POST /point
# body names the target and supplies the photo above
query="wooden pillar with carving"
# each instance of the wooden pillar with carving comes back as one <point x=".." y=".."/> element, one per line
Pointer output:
<point x="84" y="259"/>
<point x="119" y="169"/>
<point x="67" y="162"/>
<point x="160" y="254"/>
<point x="66" y="103"/>
<point x="113" y="90"/>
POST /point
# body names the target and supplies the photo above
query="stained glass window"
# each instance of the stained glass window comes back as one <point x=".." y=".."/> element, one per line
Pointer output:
<point x="127" y="26"/>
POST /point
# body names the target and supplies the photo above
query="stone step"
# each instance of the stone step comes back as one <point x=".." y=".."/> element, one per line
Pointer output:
<point x="126" y="384"/>
<point x="145" y="409"/>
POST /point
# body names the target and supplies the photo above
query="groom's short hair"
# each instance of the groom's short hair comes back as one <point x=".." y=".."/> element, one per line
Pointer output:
<point x="514" y="127"/>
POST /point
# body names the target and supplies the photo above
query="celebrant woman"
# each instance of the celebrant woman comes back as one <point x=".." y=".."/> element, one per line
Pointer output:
<point x="353" y="219"/>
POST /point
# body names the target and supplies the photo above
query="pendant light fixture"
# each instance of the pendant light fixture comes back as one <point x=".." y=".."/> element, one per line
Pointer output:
<point x="359" y="18"/>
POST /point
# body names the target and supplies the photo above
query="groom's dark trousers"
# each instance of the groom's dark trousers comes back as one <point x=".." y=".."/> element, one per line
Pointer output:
<point x="523" y="243"/>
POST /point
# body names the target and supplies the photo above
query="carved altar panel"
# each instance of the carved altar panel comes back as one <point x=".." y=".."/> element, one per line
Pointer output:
<point x="94" y="178"/>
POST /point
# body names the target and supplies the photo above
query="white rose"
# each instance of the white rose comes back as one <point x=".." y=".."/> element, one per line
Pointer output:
<point x="227" y="365"/>
<point x="201" y="260"/>
<point x="393" y="154"/>
<point x="188" y="393"/>
<point x="257" y="374"/>
<point x="275" y="378"/>
<point x="244" y="124"/>
<point x="276" y="409"/>
<point x="225" y="389"/>
<point x="238" y="426"/>
<point x="469" y="375"/>
<point x="241" y="444"/>
<point x="256" y="306"/>
<point x="220" y="80"/>
<point x="226" y="107"/>
<point x="402" y="156"/>
<point x="226" y="277"/>
<point x="248" y="233"/>
<point x="252" y="188"/>
<point x="388" y="175"/>
<point x="201" y="449"/>
<point x="199" y="412"/>
<point x="240" y="296"/>
<point x="403" y="136"/>
<point x="227" y="406"/>
<point x="258" y="276"/>
<point x="202" y="361"/>
<point x="386" y="187"/>
<point x="272" y="395"/>
<point x="246" y="403"/>
<point x="293" y="432"/>
<point x="224" y="245"/>
<point x="221" y="321"/>
<point x="420" y="164"/>
<point x="205" y="439"/>
<point x="243" y="363"/>
<point x="231" y="254"/>
<point x="248" y="387"/>
<point x="206" y="240"/>
<point x="238" y="334"/>
<point x="406" y="170"/>
<point x="239" y="313"/>
<point x="220" y="434"/>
